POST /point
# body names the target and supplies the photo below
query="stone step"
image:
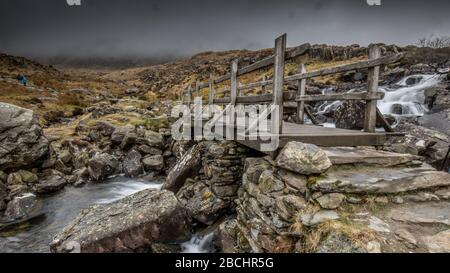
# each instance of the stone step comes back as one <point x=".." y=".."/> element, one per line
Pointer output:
<point x="366" y="156"/>
<point x="377" y="180"/>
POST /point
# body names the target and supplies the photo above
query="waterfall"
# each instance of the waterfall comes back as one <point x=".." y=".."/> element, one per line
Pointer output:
<point x="199" y="244"/>
<point x="407" y="97"/>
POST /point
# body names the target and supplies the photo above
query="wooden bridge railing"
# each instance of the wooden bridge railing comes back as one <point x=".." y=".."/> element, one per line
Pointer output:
<point x="278" y="96"/>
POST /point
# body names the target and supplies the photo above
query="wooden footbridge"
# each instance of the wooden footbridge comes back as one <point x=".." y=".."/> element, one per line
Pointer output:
<point x="298" y="131"/>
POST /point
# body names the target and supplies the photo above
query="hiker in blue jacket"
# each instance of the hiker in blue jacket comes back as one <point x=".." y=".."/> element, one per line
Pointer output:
<point x="22" y="79"/>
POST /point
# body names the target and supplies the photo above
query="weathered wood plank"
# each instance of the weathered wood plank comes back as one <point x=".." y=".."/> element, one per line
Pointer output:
<point x="278" y="83"/>
<point x="189" y="95"/>
<point x="343" y="96"/>
<point x="234" y="84"/>
<point x="197" y="88"/>
<point x="211" y="90"/>
<point x="372" y="79"/>
<point x="301" y="93"/>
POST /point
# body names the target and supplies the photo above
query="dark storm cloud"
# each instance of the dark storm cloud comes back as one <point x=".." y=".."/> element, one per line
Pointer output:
<point x="146" y="28"/>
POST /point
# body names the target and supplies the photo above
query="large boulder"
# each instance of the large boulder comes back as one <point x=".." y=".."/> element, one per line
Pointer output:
<point x="22" y="207"/>
<point x="132" y="164"/>
<point x="53" y="181"/>
<point x="128" y="225"/>
<point x="187" y="167"/>
<point x="350" y="115"/>
<point x="153" y="163"/>
<point x="22" y="142"/>
<point x="103" y="165"/>
<point x="201" y="203"/>
<point x="303" y="158"/>
<point x="120" y="132"/>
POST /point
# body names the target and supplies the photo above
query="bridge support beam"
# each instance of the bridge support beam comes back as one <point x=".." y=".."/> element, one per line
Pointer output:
<point x="373" y="77"/>
<point x="278" y="84"/>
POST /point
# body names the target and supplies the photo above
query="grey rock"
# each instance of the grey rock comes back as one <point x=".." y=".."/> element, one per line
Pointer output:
<point x="153" y="163"/>
<point x="380" y="180"/>
<point x="104" y="128"/>
<point x="269" y="183"/>
<point x="296" y="181"/>
<point x="132" y="164"/>
<point x="288" y="206"/>
<point x="423" y="213"/>
<point x="128" y="225"/>
<point x="319" y="217"/>
<point x="438" y="243"/>
<point x="201" y="202"/>
<point x="152" y="139"/>
<point x="303" y="158"/>
<point x="147" y="150"/>
<point x="25" y="206"/>
<point x="187" y="167"/>
<point x="22" y="142"/>
<point x="103" y="165"/>
<point x="406" y="236"/>
<point x="53" y="182"/>
<point x="254" y="167"/>
<point x="129" y="140"/>
<point x="365" y="155"/>
<point x="14" y="179"/>
<point x="331" y="200"/>
<point x="120" y="132"/>
<point x="28" y="177"/>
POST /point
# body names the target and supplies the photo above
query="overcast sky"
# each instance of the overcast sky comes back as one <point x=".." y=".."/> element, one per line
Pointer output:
<point x="122" y="28"/>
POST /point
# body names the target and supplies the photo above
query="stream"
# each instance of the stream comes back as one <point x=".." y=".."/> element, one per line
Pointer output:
<point x="61" y="208"/>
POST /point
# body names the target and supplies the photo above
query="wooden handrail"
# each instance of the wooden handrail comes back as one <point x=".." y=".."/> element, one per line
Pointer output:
<point x="293" y="53"/>
<point x="278" y="97"/>
<point x="292" y="96"/>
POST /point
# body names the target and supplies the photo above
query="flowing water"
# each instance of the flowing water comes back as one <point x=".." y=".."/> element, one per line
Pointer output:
<point x="199" y="244"/>
<point x="407" y="97"/>
<point x="63" y="207"/>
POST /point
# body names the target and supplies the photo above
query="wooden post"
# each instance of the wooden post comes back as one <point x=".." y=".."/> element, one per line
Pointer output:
<point x="263" y="87"/>
<point x="182" y="96"/>
<point x="373" y="76"/>
<point x="211" y="90"/>
<point x="278" y="83"/>
<point x="189" y="94"/>
<point x="301" y="92"/>
<point x="197" y="88"/>
<point x="234" y="70"/>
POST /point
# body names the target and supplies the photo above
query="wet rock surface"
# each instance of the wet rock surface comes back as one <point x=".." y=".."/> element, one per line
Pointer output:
<point x="128" y="225"/>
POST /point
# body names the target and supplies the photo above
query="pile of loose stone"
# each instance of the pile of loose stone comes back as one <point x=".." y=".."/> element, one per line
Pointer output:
<point x="339" y="200"/>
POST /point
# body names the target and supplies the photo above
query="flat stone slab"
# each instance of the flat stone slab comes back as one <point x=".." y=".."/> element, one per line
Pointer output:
<point x="366" y="155"/>
<point x="423" y="213"/>
<point x="380" y="180"/>
<point x="128" y="225"/>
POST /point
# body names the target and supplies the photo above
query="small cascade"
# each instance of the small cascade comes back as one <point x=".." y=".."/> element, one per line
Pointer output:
<point x="407" y="97"/>
<point x="199" y="244"/>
